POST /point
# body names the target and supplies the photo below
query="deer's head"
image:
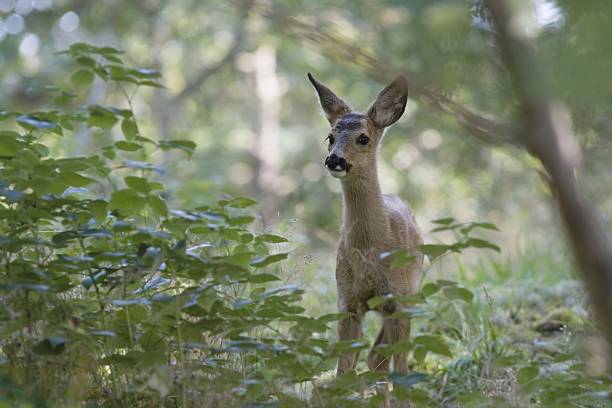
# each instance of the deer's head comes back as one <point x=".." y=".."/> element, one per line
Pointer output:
<point x="354" y="137"/>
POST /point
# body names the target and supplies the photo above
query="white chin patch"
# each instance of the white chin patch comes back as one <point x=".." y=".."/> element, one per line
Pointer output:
<point x="338" y="173"/>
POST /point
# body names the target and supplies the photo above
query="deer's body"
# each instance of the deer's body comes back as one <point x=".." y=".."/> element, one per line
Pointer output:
<point x="373" y="223"/>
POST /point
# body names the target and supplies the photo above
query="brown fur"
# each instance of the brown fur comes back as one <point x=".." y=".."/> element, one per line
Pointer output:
<point x="373" y="223"/>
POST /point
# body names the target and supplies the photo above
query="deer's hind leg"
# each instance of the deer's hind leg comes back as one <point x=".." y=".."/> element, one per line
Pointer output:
<point x="392" y="331"/>
<point x="376" y="361"/>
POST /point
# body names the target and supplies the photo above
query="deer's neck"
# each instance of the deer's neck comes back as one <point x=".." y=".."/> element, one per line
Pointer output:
<point x="365" y="217"/>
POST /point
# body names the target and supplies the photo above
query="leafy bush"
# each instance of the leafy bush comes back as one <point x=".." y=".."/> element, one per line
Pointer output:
<point x="111" y="298"/>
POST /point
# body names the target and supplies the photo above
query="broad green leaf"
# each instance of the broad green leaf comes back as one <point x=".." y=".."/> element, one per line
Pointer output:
<point x="408" y="380"/>
<point x="271" y="238"/>
<point x="243" y="220"/>
<point x="137" y="183"/>
<point x="9" y="144"/>
<point x="133" y="164"/>
<point x="127" y="200"/>
<point x="101" y="117"/>
<point x="82" y="78"/>
<point x="75" y="179"/>
<point x="527" y="374"/>
<point x="238" y="202"/>
<point x="481" y="243"/>
<point x="263" y="261"/>
<point x="129" y="128"/>
<point x="429" y="289"/>
<point x="459" y="293"/>
<point x="29" y="122"/>
<point x="128" y="146"/>
<point x="151" y="342"/>
<point x="263" y="278"/>
<point x="52" y="345"/>
<point x="468" y="227"/>
<point x="158" y="205"/>
<point x="444" y="221"/>
<point x="435" y="344"/>
<point x="400" y="257"/>
<point x="376" y="301"/>
<point x="434" y="250"/>
<point x="186" y="145"/>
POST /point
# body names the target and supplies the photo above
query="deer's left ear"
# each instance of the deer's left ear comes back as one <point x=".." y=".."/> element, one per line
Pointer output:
<point x="390" y="103"/>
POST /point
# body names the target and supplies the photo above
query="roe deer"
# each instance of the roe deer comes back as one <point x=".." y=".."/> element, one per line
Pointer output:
<point x="373" y="223"/>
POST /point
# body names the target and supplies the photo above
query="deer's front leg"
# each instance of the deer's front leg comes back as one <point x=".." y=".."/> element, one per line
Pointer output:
<point x="349" y="328"/>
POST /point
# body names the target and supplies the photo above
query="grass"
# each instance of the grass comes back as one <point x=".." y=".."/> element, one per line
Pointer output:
<point x="526" y="339"/>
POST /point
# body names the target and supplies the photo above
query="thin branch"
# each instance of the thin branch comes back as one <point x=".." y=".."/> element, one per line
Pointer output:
<point x="547" y="138"/>
<point x="378" y="67"/>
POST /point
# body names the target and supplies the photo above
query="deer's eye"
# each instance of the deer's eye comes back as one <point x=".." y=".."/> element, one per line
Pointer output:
<point x="331" y="139"/>
<point x="363" y="140"/>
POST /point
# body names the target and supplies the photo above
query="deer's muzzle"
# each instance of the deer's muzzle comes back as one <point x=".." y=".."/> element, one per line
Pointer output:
<point x="337" y="166"/>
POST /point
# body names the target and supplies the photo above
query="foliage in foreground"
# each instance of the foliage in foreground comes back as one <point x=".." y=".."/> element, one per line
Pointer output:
<point x="112" y="299"/>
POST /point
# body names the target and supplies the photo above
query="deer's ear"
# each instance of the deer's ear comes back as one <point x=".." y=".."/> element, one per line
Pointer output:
<point x="390" y="103"/>
<point x="333" y="106"/>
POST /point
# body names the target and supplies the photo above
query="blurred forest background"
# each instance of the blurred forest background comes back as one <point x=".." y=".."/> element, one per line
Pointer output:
<point x="234" y="82"/>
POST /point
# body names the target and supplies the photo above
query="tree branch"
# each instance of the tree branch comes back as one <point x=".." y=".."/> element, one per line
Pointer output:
<point x="546" y="135"/>
<point x="486" y="129"/>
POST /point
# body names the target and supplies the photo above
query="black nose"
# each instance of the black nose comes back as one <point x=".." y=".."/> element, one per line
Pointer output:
<point x="333" y="162"/>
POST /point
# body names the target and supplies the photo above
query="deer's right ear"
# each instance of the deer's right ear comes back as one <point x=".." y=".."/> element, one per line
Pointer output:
<point x="333" y="106"/>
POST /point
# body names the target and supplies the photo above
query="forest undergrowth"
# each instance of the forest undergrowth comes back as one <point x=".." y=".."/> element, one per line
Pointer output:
<point x="111" y="297"/>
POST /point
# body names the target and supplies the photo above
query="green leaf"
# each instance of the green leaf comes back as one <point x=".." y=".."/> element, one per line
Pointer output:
<point x="9" y="145"/>
<point x="90" y="280"/>
<point x="82" y="78"/>
<point x="158" y="205"/>
<point x="274" y="239"/>
<point x="238" y="202"/>
<point x="429" y="289"/>
<point x="400" y="258"/>
<point x="243" y="220"/>
<point x="127" y="200"/>
<point x="75" y="179"/>
<point x="30" y="122"/>
<point x="128" y="146"/>
<point x="52" y="345"/>
<point x="263" y="278"/>
<point x="263" y="261"/>
<point x="481" y="243"/>
<point x="458" y="293"/>
<point x="129" y="128"/>
<point x="434" y="344"/>
<point x="468" y="227"/>
<point x="152" y="342"/>
<point x="187" y="146"/>
<point x="434" y="250"/>
<point x="444" y="221"/>
<point x="101" y="117"/>
<point x="527" y="374"/>
<point x="408" y="380"/>
<point x="138" y="165"/>
<point x="146" y="73"/>
<point x="376" y="301"/>
<point x="137" y="183"/>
